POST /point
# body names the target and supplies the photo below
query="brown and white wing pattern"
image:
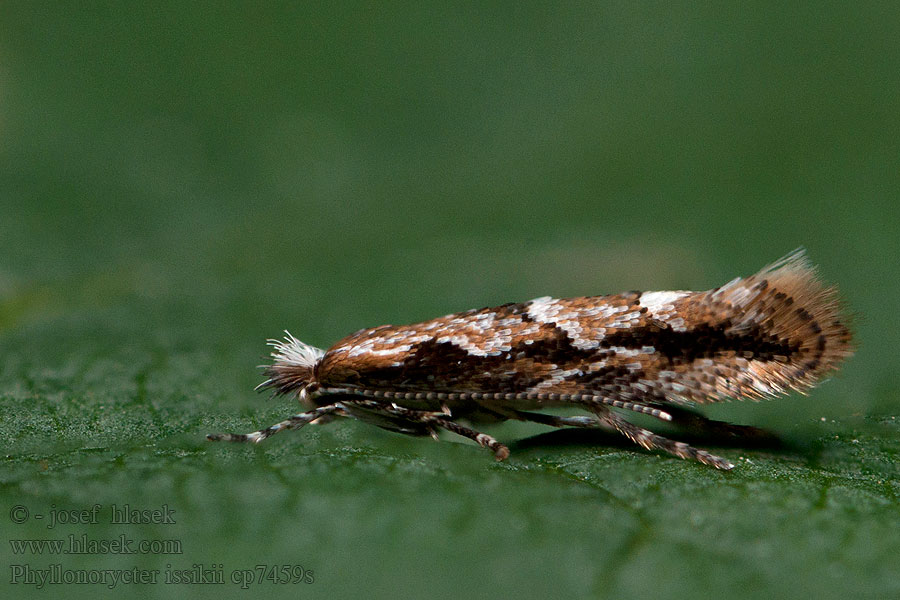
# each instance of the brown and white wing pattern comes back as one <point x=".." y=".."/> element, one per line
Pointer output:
<point x="751" y="338"/>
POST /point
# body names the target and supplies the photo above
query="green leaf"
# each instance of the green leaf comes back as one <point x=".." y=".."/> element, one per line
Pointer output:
<point x="178" y="185"/>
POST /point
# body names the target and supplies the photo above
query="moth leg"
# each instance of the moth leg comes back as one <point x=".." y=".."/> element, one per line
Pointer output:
<point x="652" y="441"/>
<point x="428" y="420"/>
<point x="294" y="422"/>
<point x="500" y="451"/>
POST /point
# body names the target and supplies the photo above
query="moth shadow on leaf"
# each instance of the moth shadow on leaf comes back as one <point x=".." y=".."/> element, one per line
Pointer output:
<point x="702" y="432"/>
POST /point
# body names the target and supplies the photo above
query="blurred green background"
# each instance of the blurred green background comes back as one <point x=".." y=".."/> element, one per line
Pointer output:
<point x="181" y="181"/>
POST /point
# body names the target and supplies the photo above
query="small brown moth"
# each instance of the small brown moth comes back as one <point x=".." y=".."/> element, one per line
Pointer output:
<point x="653" y="352"/>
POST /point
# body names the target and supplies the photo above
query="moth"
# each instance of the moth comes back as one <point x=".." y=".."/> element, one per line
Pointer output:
<point x="655" y="353"/>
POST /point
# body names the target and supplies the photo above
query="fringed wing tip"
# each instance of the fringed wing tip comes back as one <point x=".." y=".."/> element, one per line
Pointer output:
<point x="795" y="260"/>
<point x="796" y="306"/>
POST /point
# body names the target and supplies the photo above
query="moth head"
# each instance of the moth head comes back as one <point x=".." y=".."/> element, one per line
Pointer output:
<point x="293" y="368"/>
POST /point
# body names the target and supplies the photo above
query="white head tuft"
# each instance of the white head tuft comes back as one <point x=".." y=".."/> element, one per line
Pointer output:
<point x="293" y="365"/>
<point x="291" y="352"/>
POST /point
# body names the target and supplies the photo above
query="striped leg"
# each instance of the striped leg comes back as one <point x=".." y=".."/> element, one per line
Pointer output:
<point x="652" y="441"/>
<point x="417" y="420"/>
<point x="500" y="451"/>
<point x="294" y="422"/>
